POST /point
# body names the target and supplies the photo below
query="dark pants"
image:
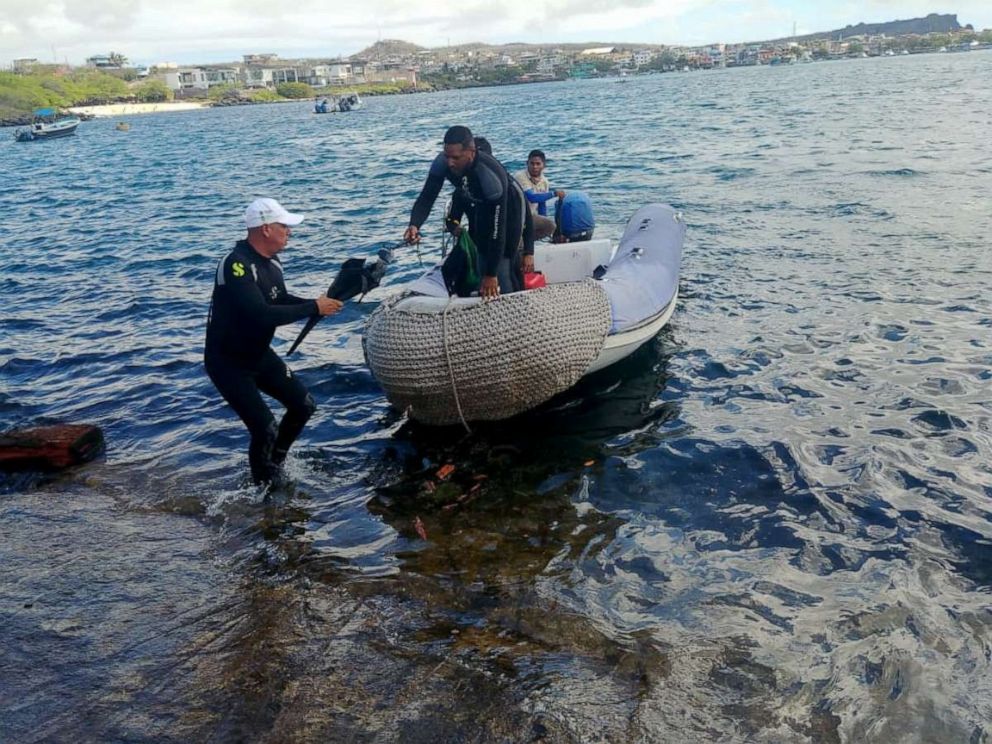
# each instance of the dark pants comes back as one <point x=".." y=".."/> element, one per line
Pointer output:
<point x="242" y="385"/>
<point x="507" y="273"/>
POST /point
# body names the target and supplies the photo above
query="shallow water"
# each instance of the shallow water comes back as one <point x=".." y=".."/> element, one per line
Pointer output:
<point x="772" y="524"/>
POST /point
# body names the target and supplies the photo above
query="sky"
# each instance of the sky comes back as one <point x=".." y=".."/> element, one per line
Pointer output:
<point x="191" y="31"/>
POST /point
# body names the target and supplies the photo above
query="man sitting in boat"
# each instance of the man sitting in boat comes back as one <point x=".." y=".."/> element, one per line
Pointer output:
<point x="573" y="218"/>
<point x="319" y="107"/>
<point x="538" y="192"/>
<point x="486" y="193"/>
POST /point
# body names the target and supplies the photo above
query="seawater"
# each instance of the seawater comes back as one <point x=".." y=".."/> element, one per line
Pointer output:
<point x="771" y="524"/>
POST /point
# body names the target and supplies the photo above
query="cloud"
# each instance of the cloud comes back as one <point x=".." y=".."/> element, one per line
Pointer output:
<point x="217" y="30"/>
<point x="105" y="15"/>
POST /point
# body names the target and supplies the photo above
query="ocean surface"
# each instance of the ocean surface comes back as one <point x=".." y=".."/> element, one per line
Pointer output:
<point x="771" y="524"/>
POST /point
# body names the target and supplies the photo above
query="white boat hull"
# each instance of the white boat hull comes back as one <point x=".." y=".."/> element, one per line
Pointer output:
<point x="621" y="345"/>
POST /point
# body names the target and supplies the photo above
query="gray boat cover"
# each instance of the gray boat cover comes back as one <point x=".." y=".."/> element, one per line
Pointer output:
<point x="643" y="276"/>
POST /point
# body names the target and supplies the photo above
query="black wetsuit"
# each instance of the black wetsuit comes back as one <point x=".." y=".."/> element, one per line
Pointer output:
<point x="249" y="301"/>
<point x="496" y="209"/>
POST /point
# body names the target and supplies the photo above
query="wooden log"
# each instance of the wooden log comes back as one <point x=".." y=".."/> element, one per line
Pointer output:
<point x="48" y="448"/>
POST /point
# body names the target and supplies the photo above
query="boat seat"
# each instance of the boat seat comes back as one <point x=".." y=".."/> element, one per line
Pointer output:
<point x="571" y="262"/>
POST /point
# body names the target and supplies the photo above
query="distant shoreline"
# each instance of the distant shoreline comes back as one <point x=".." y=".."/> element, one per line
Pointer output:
<point x="125" y="109"/>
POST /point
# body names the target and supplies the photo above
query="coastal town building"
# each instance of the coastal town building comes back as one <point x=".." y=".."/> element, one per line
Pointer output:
<point x="112" y="61"/>
<point x="398" y="62"/>
<point x="532" y="63"/>
<point x="24" y="65"/>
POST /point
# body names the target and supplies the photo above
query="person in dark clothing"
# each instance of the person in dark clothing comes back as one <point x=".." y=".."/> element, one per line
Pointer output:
<point x="249" y="301"/>
<point x="454" y="269"/>
<point x="497" y="211"/>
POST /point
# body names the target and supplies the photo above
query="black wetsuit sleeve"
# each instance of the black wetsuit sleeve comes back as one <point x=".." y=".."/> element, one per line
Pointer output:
<point x="247" y="301"/>
<point x="428" y="194"/>
<point x="528" y="232"/>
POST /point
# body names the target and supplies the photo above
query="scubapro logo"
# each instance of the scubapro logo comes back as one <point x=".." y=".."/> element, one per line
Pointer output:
<point x="238" y="269"/>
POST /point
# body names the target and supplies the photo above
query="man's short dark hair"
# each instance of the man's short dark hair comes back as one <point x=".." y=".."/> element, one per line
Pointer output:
<point x="459" y="135"/>
<point x="537" y="154"/>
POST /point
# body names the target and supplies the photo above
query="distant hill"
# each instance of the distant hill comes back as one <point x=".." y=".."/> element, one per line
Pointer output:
<point x="933" y="23"/>
<point x="388" y="48"/>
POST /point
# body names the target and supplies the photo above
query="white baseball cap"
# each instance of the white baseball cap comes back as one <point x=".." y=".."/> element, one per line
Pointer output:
<point x="266" y="211"/>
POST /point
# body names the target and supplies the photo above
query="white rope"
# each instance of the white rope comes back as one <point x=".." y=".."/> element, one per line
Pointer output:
<point x="451" y="367"/>
<point x="503" y="357"/>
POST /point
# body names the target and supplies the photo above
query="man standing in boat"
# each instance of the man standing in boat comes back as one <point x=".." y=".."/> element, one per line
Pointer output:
<point x="496" y="208"/>
<point x="249" y="301"/>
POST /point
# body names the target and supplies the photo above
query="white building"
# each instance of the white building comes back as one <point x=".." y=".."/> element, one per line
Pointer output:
<point x="222" y="76"/>
<point x="258" y="77"/>
<point x="550" y="63"/>
<point x="24" y="64"/>
<point x="643" y="57"/>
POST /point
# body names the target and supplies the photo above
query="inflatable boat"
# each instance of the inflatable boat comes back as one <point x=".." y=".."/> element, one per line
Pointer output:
<point x="445" y="360"/>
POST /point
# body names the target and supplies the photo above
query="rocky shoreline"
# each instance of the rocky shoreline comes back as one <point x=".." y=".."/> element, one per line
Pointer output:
<point x="127" y="108"/>
<point x="26" y="120"/>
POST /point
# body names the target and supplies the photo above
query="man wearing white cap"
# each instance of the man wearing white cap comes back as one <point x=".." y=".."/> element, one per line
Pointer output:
<point x="249" y="301"/>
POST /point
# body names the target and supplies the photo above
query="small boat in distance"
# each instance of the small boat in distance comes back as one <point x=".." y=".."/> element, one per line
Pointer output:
<point x="343" y="102"/>
<point x="48" y="124"/>
<point x="349" y="102"/>
<point x="122" y="126"/>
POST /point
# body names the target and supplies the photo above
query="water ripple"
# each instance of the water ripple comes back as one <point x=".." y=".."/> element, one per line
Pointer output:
<point x="771" y="524"/>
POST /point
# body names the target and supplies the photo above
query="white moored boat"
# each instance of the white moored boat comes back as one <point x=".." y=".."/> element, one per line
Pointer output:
<point x="445" y="360"/>
<point x="48" y="124"/>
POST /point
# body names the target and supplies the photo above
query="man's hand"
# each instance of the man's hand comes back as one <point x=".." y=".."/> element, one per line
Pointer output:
<point x="454" y="227"/>
<point x="327" y="306"/>
<point x="560" y="194"/>
<point x="528" y="264"/>
<point x="412" y="234"/>
<point x="489" y="289"/>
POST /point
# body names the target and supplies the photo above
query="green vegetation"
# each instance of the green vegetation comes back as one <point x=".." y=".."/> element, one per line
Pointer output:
<point x="224" y="92"/>
<point x="294" y="90"/>
<point x="367" y="89"/>
<point x="153" y="91"/>
<point x="52" y="87"/>
<point x="264" y="95"/>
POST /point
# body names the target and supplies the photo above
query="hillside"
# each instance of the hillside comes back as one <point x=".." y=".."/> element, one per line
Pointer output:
<point x="933" y="23"/>
<point x="393" y="47"/>
<point x="388" y="48"/>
